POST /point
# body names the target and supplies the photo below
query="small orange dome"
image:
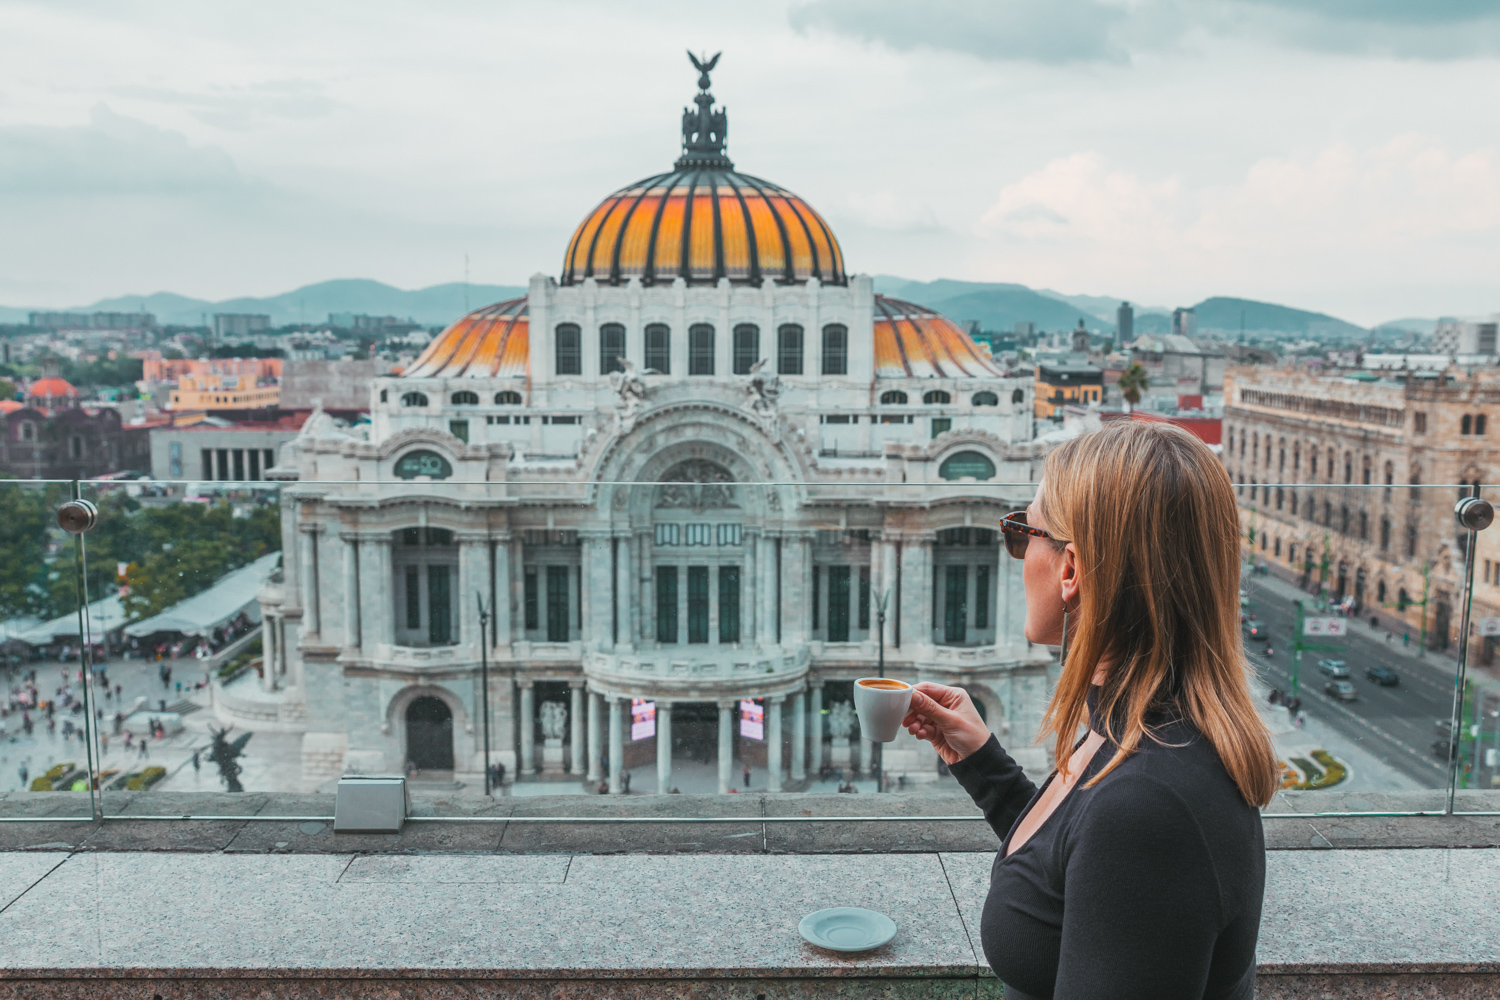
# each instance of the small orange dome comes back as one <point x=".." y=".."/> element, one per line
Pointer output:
<point x="487" y="343"/>
<point x="52" y="387"/>
<point x="912" y="341"/>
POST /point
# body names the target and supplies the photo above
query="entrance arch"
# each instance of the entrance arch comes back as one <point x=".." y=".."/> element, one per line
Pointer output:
<point x="429" y="734"/>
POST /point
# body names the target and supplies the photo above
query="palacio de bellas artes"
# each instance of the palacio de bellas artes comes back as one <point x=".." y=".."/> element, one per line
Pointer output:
<point x="663" y="504"/>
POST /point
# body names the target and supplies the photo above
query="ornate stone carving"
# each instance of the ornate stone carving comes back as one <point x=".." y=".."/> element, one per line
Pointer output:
<point x="696" y="484"/>
<point x="763" y="390"/>
<point x="630" y="394"/>
<point x="554" y="715"/>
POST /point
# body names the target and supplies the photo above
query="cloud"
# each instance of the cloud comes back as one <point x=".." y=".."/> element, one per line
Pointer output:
<point x="1407" y="209"/>
<point x="1112" y="31"/>
<point x="889" y="212"/>
<point x="112" y="155"/>
<point x="239" y="109"/>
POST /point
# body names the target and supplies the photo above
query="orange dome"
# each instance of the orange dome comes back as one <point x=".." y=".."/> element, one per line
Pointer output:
<point x="53" y="387"/>
<point x="11" y="405"/>
<point x="912" y="341"/>
<point x="487" y="343"/>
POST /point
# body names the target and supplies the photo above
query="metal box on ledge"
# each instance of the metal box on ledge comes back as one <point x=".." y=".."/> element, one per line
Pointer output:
<point x="370" y="804"/>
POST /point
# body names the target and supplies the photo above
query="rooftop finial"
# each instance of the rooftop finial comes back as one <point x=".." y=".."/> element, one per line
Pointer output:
<point x="704" y="129"/>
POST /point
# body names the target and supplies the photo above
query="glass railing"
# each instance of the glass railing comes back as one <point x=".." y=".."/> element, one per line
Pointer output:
<point x="247" y="644"/>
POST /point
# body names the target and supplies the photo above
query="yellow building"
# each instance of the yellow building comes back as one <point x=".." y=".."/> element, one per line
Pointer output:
<point x="1059" y="385"/>
<point x="224" y="392"/>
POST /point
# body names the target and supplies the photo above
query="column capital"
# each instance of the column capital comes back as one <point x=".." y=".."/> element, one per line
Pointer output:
<point x="815" y="682"/>
<point x="775" y="699"/>
<point x="313" y="528"/>
<point x="728" y="703"/>
<point x="576" y="683"/>
<point x="525" y="682"/>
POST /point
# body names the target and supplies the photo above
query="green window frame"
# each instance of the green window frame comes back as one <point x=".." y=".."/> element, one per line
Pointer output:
<point x="981" y="597"/>
<point x="697" y="604"/>
<point x="729" y="604"/>
<point x="956" y="607"/>
<point x="557" y="603"/>
<point x="838" y="604"/>
<point x="439" y="606"/>
<point x="666" y="605"/>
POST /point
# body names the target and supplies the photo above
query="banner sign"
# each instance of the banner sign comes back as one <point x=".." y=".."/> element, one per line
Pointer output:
<point x="642" y="719"/>
<point x="752" y="719"/>
<point x="1489" y="626"/>
<point x="1325" y="626"/>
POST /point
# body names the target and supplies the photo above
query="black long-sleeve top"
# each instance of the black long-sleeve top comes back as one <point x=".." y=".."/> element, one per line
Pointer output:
<point x="1147" y="885"/>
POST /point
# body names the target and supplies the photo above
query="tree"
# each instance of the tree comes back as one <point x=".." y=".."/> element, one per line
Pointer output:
<point x="1132" y="381"/>
<point x="8" y="389"/>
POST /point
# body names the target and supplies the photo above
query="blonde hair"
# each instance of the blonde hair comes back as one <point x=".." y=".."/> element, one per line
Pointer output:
<point x="1152" y="515"/>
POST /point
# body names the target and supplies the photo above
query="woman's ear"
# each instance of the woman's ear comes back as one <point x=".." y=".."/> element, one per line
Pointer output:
<point x="1069" y="574"/>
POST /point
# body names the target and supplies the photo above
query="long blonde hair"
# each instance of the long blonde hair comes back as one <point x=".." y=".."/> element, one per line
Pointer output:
<point x="1152" y="515"/>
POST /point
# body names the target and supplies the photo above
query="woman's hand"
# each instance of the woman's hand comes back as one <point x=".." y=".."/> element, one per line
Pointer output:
<point x="946" y="718"/>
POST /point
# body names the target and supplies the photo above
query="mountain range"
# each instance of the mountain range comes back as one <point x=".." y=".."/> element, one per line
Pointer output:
<point x="996" y="305"/>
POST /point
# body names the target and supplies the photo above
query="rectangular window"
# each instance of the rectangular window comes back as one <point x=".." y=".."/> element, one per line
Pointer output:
<point x="208" y="463"/>
<point x="817" y="579"/>
<point x="956" y="608"/>
<point x="789" y="349"/>
<point x="557" y="604"/>
<point x="835" y="349"/>
<point x="254" y="456"/>
<point x="864" y="598"/>
<point x="459" y="429"/>
<point x="700" y="349"/>
<point x="531" y="601"/>
<point x="666" y="604"/>
<point x="699" y="534"/>
<point x="1419" y="422"/>
<point x="981" y="597"/>
<point x="569" y="345"/>
<point x="439" y="607"/>
<point x="729" y="534"/>
<point x="729" y="604"/>
<point x="239" y="463"/>
<point x="840" y="418"/>
<point x="697" y="604"/>
<point x="941" y="425"/>
<point x="746" y="347"/>
<point x="268" y="459"/>
<point x="413" y="598"/>
<point x="659" y="347"/>
<point x="666" y="534"/>
<point x="611" y="348"/>
<point x="222" y="454"/>
<point x="838" y="604"/>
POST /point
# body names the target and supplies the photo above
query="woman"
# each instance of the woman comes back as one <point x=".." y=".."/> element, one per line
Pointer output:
<point x="1137" y="869"/>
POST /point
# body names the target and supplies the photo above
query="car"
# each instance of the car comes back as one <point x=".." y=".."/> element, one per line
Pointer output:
<point x="1342" y="690"/>
<point x="1441" y="748"/>
<point x="1382" y="675"/>
<point x="1336" y="669"/>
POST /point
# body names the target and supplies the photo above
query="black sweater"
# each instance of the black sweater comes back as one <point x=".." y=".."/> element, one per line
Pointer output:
<point x="1147" y="885"/>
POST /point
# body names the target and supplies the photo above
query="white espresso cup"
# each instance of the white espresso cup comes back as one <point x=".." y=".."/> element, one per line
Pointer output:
<point x="881" y="703"/>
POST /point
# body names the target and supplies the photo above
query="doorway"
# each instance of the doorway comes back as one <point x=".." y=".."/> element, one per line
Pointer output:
<point x="429" y="734"/>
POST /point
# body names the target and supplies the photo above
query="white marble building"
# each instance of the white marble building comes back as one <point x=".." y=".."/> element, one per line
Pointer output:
<point x="684" y="472"/>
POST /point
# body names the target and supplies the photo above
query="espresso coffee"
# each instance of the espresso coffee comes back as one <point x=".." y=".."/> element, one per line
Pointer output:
<point x="884" y="685"/>
<point x="881" y="703"/>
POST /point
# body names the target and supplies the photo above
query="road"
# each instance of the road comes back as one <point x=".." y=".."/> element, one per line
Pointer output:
<point x="1396" y="724"/>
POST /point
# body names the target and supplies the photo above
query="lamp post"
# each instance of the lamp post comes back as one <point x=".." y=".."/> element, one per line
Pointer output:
<point x="484" y="690"/>
<point x="880" y="603"/>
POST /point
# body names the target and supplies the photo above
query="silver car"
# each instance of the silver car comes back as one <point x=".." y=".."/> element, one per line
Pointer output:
<point x="1342" y="690"/>
<point x="1337" y="669"/>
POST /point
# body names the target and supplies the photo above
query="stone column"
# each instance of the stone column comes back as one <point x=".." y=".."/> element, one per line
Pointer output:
<point x="596" y="736"/>
<point x="916" y="591"/>
<point x="885" y="583"/>
<point x="799" y="736"/>
<point x="473" y="568"/>
<point x="663" y="746"/>
<point x="268" y="656"/>
<point x="794" y="593"/>
<point x="517" y="589"/>
<point x="773" y="742"/>
<point x="377" y="587"/>
<point x="622" y="604"/>
<point x="595" y="592"/>
<point x="528" y="726"/>
<point x="815" y="728"/>
<point x="311" y="620"/>
<point x="726" y="745"/>
<point x="616" y="744"/>
<point x="750" y="630"/>
<point x="501" y="610"/>
<point x="575" y="724"/>
<point x="865" y="747"/>
<point x="351" y="592"/>
<point x="768" y="607"/>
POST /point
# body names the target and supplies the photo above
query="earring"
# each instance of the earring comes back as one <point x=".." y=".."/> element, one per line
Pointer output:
<point x="1062" y="656"/>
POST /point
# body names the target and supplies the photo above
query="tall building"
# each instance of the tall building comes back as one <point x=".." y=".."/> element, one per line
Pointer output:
<point x="1184" y="322"/>
<point x="686" y="474"/>
<point x="1455" y="337"/>
<point x="1124" y="323"/>
<point x="240" y="324"/>
<point x="1328" y="467"/>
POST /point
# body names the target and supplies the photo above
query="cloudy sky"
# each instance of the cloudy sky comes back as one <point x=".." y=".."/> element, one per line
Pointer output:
<point x="1340" y="155"/>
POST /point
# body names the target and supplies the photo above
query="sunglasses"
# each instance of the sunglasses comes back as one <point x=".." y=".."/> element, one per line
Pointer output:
<point x="1018" y="534"/>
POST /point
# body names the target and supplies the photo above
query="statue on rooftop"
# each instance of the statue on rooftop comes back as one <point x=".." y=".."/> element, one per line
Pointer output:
<point x="630" y="393"/>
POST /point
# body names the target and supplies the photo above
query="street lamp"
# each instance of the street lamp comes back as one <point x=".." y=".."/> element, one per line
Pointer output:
<point x="484" y="682"/>
<point x="880" y="603"/>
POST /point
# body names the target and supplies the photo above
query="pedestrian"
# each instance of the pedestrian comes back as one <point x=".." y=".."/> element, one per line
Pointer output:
<point x="603" y="788"/>
<point x="747" y="775"/>
<point x="625" y="781"/>
<point x="1300" y="717"/>
<point x="196" y="763"/>
<point x="145" y="752"/>
<point x="24" y="775"/>
<point x="1406" y="639"/>
<point x="1388" y="638"/>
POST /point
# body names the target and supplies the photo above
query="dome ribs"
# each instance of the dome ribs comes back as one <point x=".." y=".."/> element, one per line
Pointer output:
<point x="752" y="245"/>
<point x="788" y="265"/>
<point x="623" y="235"/>
<point x="648" y="269"/>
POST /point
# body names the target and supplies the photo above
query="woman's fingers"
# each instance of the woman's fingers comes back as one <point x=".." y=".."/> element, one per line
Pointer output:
<point x="923" y="704"/>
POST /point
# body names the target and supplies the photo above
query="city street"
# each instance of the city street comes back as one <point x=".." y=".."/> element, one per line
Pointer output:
<point x="1397" y="725"/>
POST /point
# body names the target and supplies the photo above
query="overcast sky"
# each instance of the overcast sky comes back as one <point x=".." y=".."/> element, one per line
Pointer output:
<point x="1339" y="155"/>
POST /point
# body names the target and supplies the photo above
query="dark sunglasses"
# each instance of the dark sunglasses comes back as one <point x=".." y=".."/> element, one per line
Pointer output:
<point x="1018" y="534"/>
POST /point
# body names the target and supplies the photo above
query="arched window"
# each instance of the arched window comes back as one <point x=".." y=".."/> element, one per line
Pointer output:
<point x="936" y="397"/>
<point x="28" y="431"/>
<point x="1294" y="503"/>
<point x="1278" y="546"/>
<point x="1465" y="425"/>
<point x="414" y="399"/>
<point x="1296" y="458"/>
<point x="423" y="463"/>
<point x="1281" y="455"/>
<point x="1385" y="536"/>
<point x="746" y="347"/>
<point x="659" y="347"/>
<point x="1364" y="526"/>
<point x="465" y="398"/>
<point x="507" y="397"/>
<point x="985" y="399"/>
<point x="892" y="397"/>
<point x="1411" y="541"/>
<point x="611" y="348"/>
<point x="835" y="349"/>
<point x="1380" y="591"/>
<point x="967" y="465"/>
<point x="1291" y="554"/>
<point x="569" y="349"/>
<point x="1479" y="423"/>
<point x="700" y="349"/>
<point x="1343" y="519"/>
<point x="1366" y="472"/>
<point x="1018" y="396"/>
<point x="1348" y="467"/>
<point x="1280" y="497"/>
<point x="789" y="349"/>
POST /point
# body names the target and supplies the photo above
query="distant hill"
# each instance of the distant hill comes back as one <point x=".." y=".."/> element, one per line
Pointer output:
<point x="1220" y="316"/>
<point x="436" y="305"/>
<point x="997" y="306"/>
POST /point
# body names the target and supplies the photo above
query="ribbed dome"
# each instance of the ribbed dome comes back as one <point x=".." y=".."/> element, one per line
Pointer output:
<point x="912" y="341"/>
<point x="703" y="224"/>
<point x="492" y="342"/>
